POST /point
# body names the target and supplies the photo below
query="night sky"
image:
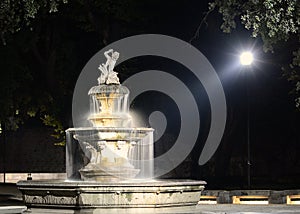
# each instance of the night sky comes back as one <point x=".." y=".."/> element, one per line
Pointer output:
<point x="274" y="120"/>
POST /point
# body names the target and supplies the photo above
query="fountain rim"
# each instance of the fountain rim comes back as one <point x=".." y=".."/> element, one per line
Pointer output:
<point x="126" y="183"/>
<point x="112" y="129"/>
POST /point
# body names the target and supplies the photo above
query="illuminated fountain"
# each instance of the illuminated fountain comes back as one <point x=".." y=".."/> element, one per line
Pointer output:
<point x="110" y="164"/>
<point x="112" y="148"/>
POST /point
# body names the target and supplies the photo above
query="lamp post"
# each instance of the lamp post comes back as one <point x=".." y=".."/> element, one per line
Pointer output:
<point x="246" y="59"/>
<point x="2" y="134"/>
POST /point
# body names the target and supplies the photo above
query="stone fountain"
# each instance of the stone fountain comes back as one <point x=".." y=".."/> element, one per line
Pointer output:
<point x="110" y="164"/>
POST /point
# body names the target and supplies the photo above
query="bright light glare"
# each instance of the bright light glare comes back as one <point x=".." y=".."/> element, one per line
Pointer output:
<point x="246" y="58"/>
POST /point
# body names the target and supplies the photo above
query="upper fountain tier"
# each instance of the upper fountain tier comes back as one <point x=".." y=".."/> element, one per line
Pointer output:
<point x="109" y="100"/>
<point x="109" y="106"/>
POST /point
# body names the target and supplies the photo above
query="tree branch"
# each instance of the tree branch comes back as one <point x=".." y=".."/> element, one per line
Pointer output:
<point x="203" y="21"/>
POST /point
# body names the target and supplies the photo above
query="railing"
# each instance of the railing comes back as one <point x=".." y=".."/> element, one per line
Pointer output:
<point x="258" y="197"/>
<point x="15" y="177"/>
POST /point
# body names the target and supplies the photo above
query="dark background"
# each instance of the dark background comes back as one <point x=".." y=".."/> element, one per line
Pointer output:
<point x="274" y="121"/>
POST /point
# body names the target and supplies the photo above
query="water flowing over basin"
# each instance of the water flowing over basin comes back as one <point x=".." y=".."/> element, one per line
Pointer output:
<point x="109" y="153"/>
<point x="111" y="149"/>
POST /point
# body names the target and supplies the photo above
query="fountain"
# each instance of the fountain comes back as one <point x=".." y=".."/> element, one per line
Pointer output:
<point x="110" y="164"/>
<point x="114" y="149"/>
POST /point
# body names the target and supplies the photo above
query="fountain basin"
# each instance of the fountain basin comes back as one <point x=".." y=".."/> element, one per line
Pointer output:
<point x="109" y="153"/>
<point x="127" y="194"/>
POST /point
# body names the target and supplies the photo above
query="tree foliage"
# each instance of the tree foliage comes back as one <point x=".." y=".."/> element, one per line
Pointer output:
<point x="276" y="22"/>
<point x="15" y="14"/>
<point x="32" y="51"/>
<point x="42" y="45"/>
<point x="41" y="54"/>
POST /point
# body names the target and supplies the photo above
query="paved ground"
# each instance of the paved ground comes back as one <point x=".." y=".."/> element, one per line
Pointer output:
<point x="201" y="209"/>
<point x="11" y="202"/>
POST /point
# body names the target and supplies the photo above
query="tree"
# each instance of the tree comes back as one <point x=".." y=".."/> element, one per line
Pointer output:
<point x="15" y="14"/>
<point x="276" y="22"/>
<point x="23" y="64"/>
<point x="42" y="57"/>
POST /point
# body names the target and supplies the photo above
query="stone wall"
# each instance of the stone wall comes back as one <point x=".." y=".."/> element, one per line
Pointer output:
<point x="31" y="150"/>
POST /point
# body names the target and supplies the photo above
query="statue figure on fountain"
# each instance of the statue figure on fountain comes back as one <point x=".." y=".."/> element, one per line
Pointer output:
<point x="91" y="152"/>
<point x="108" y="75"/>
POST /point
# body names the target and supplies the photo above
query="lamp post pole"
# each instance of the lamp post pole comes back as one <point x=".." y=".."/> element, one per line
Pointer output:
<point x="3" y="133"/>
<point x="248" y="134"/>
<point x="246" y="59"/>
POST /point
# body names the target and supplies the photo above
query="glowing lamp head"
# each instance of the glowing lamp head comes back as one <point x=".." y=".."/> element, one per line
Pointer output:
<point x="246" y="58"/>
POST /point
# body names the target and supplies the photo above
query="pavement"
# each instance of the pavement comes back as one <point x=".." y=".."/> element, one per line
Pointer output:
<point x="11" y="202"/>
<point x="11" y="199"/>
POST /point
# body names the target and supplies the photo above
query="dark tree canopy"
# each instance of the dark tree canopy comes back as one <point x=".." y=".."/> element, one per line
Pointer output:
<point x="42" y="42"/>
<point x="41" y="56"/>
<point x="16" y="14"/>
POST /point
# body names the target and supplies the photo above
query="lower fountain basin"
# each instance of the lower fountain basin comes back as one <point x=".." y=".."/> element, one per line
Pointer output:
<point x="109" y="153"/>
<point x="107" y="174"/>
<point x="127" y="194"/>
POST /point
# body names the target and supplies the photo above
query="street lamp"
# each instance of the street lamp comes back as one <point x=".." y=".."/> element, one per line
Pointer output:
<point x="246" y="59"/>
